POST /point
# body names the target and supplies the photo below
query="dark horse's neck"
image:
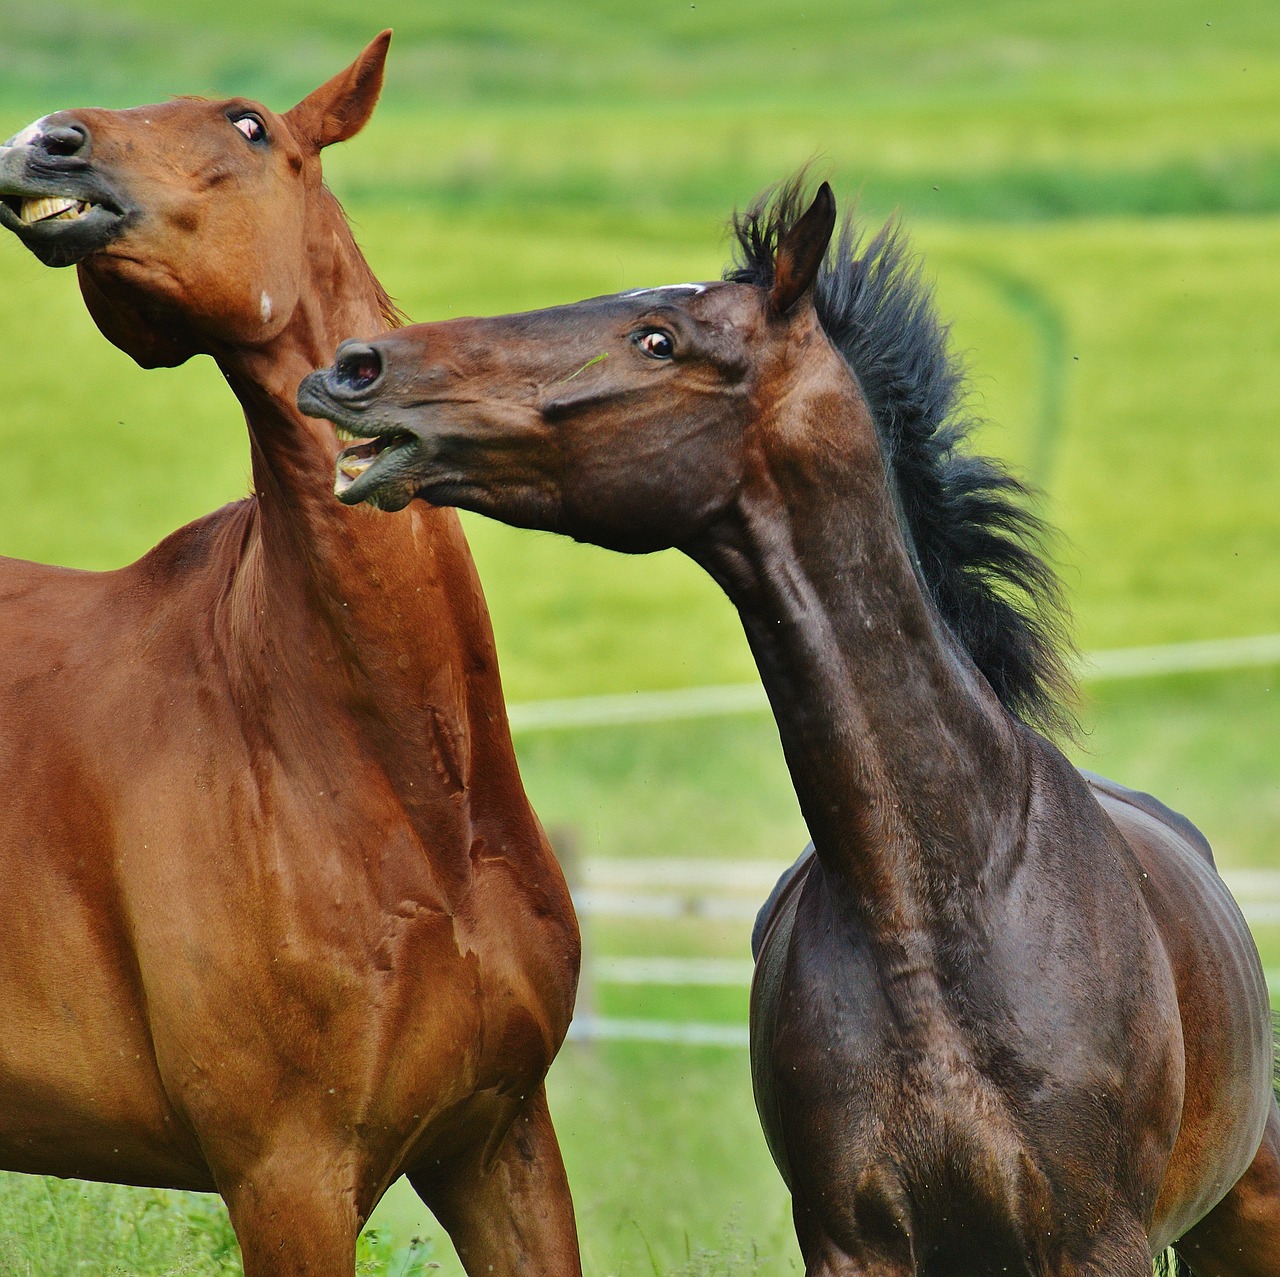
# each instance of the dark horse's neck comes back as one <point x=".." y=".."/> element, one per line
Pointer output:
<point x="383" y="611"/>
<point x="910" y="775"/>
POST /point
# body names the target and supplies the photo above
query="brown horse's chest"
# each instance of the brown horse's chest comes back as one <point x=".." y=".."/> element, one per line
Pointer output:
<point x="260" y="923"/>
<point x="387" y="1019"/>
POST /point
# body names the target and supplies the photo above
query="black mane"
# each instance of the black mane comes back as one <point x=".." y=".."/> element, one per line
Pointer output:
<point x="978" y="544"/>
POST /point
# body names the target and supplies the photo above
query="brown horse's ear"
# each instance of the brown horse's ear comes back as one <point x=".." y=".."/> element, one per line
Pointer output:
<point x="800" y="252"/>
<point x="341" y="107"/>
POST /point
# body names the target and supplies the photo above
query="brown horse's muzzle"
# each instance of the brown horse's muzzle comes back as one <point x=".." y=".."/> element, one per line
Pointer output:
<point x="51" y="195"/>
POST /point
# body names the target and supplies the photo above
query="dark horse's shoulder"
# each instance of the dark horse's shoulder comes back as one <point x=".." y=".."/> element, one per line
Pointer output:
<point x="1152" y="807"/>
<point x="782" y="891"/>
<point x="769" y="944"/>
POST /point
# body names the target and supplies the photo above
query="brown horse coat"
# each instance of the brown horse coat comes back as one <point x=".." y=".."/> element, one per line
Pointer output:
<point x="277" y="918"/>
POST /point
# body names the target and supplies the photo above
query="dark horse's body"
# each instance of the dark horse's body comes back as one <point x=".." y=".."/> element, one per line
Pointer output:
<point x="1174" y="871"/>
<point x="276" y="916"/>
<point x="1007" y="1019"/>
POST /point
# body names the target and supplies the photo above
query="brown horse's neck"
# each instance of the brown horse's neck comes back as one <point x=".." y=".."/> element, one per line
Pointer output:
<point x="293" y="455"/>
<point x="384" y="608"/>
<point x="910" y="775"/>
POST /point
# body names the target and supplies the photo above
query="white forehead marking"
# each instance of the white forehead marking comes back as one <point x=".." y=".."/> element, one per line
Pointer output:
<point x="667" y="288"/>
<point x="264" y="307"/>
<point x="29" y="134"/>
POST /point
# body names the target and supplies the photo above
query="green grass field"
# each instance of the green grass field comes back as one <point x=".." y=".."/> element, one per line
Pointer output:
<point x="1096" y="191"/>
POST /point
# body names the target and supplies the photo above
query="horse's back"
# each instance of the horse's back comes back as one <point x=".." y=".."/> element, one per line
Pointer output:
<point x="1104" y="788"/>
<point x="770" y="941"/>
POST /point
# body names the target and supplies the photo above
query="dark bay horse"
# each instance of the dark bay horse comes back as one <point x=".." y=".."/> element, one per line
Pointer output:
<point x="276" y="916"/>
<point x="1007" y="1019"/>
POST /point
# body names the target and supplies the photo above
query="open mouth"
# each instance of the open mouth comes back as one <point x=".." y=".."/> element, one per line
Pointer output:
<point x="48" y="209"/>
<point x="378" y="465"/>
<point x="362" y="467"/>
<point x="60" y="229"/>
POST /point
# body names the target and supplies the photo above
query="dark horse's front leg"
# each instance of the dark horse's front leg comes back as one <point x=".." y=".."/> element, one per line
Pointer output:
<point x="509" y="1214"/>
<point x="1240" y="1237"/>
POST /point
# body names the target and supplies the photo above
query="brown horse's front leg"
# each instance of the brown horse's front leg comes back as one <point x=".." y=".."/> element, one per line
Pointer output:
<point x="294" y="1216"/>
<point x="510" y="1215"/>
<point x="1240" y="1237"/>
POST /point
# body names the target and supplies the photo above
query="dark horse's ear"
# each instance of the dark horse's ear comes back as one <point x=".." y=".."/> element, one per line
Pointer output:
<point x="800" y="252"/>
<point x="341" y="107"/>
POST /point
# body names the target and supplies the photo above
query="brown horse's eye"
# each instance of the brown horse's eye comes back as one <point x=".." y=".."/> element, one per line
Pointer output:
<point x="252" y="127"/>
<point x="656" y="343"/>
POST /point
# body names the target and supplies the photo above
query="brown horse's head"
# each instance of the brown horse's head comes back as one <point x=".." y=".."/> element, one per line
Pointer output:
<point x="187" y="221"/>
<point x="624" y="420"/>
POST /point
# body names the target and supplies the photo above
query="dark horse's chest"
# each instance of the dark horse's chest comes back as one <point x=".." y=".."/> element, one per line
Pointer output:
<point x="916" y="1138"/>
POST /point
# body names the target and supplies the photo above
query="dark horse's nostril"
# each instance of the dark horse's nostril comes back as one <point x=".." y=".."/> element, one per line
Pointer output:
<point x="357" y="367"/>
<point x="64" y="139"/>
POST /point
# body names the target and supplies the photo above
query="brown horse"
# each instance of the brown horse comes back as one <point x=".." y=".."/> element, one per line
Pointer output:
<point x="1007" y="1019"/>
<point x="277" y="918"/>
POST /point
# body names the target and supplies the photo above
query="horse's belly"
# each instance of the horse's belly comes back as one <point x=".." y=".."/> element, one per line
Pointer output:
<point x="80" y="1093"/>
<point x="120" y="1132"/>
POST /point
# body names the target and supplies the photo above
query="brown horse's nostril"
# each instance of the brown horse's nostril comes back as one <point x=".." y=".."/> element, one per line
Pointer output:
<point x="64" y="140"/>
<point x="357" y="367"/>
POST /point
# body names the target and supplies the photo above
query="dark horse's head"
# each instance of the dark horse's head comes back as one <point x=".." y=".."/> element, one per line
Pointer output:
<point x="620" y="420"/>
<point x="637" y="420"/>
<point x="189" y="222"/>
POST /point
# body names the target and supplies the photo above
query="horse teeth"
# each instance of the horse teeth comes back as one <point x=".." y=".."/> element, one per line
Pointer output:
<point x="49" y="208"/>
<point x="354" y="467"/>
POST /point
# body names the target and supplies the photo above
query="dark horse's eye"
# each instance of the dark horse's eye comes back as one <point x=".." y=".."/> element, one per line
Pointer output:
<point x="655" y="343"/>
<point x="252" y="127"/>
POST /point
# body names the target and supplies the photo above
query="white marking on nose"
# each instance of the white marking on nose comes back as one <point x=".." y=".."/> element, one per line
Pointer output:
<point x="264" y="307"/>
<point x="667" y="288"/>
<point x="29" y="134"/>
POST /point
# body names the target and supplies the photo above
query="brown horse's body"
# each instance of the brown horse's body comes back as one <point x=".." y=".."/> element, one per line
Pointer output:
<point x="1007" y="1019"/>
<point x="277" y="918"/>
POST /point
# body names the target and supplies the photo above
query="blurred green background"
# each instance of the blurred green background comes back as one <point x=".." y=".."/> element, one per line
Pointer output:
<point x="1096" y="190"/>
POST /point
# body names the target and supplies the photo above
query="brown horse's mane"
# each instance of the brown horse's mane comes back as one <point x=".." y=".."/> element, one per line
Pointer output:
<point x="387" y="308"/>
<point x="979" y="547"/>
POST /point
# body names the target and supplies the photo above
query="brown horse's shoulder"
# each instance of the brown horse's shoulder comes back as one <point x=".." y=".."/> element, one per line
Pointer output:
<point x="200" y="544"/>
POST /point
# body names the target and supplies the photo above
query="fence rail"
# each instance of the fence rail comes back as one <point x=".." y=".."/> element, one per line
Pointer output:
<point x="732" y="891"/>
<point x="749" y="698"/>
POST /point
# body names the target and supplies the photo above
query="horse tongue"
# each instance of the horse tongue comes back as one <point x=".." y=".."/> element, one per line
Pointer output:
<point x="353" y="467"/>
<point x="354" y="461"/>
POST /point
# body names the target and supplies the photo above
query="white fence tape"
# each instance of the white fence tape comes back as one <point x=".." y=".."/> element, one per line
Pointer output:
<point x="732" y="891"/>
<point x="749" y="698"/>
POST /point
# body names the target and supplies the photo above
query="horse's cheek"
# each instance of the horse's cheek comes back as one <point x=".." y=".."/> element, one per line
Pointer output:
<point x="248" y="306"/>
<point x="141" y="339"/>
